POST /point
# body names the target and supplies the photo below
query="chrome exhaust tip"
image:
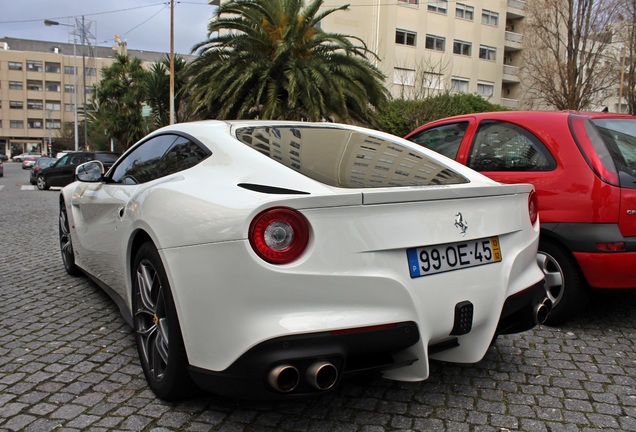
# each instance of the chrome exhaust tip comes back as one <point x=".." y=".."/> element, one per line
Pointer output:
<point x="322" y="375"/>
<point x="283" y="378"/>
<point x="542" y="310"/>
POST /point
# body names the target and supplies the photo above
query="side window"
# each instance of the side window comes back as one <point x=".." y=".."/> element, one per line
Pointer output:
<point x="502" y="146"/>
<point x="182" y="155"/>
<point x="63" y="161"/>
<point x="443" y="139"/>
<point x="141" y="164"/>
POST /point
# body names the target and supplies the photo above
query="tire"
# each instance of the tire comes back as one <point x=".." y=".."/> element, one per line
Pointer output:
<point x="41" y="182"/>
<point x="66" y="243"/>
<point x="157" y="331"/>
<point x="565" y="285"/>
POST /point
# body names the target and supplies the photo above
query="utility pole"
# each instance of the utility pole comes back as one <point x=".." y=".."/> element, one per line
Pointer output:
<point x="172" y="116"/>
<point x="84" y="82"/>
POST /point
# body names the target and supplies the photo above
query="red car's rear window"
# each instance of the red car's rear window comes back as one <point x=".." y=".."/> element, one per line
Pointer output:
<point x="619" y="136"/>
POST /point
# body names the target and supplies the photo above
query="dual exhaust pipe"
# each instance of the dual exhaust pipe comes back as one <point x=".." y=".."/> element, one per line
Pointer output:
<point x="320" y="375"/>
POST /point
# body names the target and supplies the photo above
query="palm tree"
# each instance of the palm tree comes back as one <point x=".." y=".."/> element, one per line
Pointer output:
<point x="270" y="59"/>
<point x="157" y="87"/>
<point x="118" y="100"/>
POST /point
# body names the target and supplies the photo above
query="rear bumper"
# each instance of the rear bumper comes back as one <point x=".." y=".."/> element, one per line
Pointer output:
<point x="608" y="270"/>
<point x="520" y="311"/>
<point x="354" y="352"/>
<point x="601" y="269"/>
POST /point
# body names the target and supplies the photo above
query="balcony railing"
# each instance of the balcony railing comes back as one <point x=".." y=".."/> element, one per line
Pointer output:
<point x="510" y="103"/>
<point x="517" y="4"/>
<point x="510" y="70"/>
<point x="514" y="37"/>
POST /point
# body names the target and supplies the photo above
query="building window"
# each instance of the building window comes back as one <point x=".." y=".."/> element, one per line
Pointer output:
<point x="409" y="2"/>
<point x="53" y="124"/>
<point x="462" y="48"/>
<point x="16" y="104"/>
<point x="405" y="77"/>
<point x="485" y="89"/>
<point x="459" y="85"/>
<point x="487" y="53"/>
<point x="53" y="86"/>
<point x="432" y="81"/>
<point x="69" y="70"/>
<point x="15" y="85"/>
<point x="464" y="11"/>
<point x="34" y="66"/>
<point x="490" y="17"/>
<point x="404" y="37"/>
<point x="438" y="6"/>
<point x="15" y="66"/>
<point x="69" y="88"/>
<point x="69" y="107"/>
<point x="52" y="67"/>
<point x="34" y="104"/>
<point x="34" y="124"/>
<point x="16" y="124"/>
<point x="436" y="43"/>
<point x="53" y="106"/>
<point x="34" y="85"/>
<point x="90" y="71"/>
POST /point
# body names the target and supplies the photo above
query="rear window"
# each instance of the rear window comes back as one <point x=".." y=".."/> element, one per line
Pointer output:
<point x="619" y="136"/>
<point x="346" y="158"/>
<point x="107" y="158"/>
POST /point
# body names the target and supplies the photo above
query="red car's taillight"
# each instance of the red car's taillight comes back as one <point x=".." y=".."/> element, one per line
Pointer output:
<point x="279" y="235"/>
<point x="533" y="208"/>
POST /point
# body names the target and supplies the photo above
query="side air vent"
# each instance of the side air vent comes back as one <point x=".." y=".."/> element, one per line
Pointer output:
<point x="271" y="189"/>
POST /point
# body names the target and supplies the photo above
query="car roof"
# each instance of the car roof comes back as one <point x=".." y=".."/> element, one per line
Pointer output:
<point x="538" y="114"/>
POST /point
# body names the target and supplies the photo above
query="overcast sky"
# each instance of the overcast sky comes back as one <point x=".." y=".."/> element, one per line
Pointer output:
<point x="143" y="24"/>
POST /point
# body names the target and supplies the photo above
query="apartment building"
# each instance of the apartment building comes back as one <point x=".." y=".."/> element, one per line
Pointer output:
<point x="38" y="80"/>
<point x="428" y="46"/>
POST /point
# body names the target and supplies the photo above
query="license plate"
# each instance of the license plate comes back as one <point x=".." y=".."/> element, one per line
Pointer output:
<point x="429" y="260"/>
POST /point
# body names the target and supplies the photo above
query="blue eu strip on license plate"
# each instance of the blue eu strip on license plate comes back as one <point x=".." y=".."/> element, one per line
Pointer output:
<point x="429" y="260"/>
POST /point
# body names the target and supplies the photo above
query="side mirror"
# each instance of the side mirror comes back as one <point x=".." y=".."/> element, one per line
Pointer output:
<point x="90" y="172"/>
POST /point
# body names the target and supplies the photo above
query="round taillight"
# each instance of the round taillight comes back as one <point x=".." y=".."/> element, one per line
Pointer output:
<point x="533" y="207"/>
<point x="279" y="235"/>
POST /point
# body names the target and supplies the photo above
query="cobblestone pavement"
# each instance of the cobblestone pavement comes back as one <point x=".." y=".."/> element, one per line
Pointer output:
<point x="68" y="362"/>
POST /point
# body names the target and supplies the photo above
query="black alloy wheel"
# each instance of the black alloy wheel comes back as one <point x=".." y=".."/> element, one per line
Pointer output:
<point x="41" y="182"/>
<point x="66" y="243"/>
<point x="157" y="331"/>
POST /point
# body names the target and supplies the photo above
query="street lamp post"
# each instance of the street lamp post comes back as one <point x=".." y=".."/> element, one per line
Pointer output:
<point x="75" y="121"/>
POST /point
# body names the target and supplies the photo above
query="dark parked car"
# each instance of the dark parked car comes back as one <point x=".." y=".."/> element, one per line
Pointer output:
<point x="62" y="172"/>
<point x="583" y="167"/>
<point x="3" y="157"/>
<point x="1" y="169"/>
<point x="40" y="164"/>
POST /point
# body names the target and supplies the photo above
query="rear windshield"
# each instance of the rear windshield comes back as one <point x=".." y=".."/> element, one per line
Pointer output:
<point x="619" y="135"/>
<point x="347" y="159"/>
<point x="108" y="158"/>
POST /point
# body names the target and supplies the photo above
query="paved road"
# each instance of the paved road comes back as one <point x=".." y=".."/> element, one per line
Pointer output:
<point x="68" y="362"/>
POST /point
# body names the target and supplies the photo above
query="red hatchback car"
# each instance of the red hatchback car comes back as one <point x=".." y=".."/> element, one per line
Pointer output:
<point x="583" y="168"/>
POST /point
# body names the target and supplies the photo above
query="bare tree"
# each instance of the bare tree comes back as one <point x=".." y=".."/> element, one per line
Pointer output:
<point x="626" y="37"/>
<point x="567" y="62"/>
